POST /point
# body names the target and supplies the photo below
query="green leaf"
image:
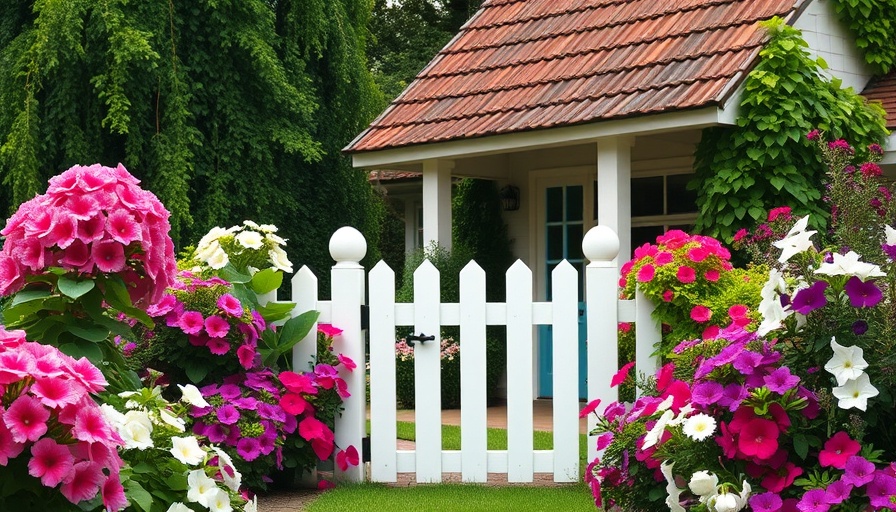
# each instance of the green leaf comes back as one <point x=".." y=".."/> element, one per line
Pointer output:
<point x="196" y="372"/>
<point x="79" y="349"/>
<point x="777" y="182"/>
<point x="73" y="288"/>
<point x="138" y="495"/>
<point x="266" y="280"/>
<point x="28" y="296"/>
<point x="295" y="329"/>
<point x="801" y="445"/>
<point x="273" y="311"/>
<point x="89" y="333"/>
<point x="143" y="467"/>
<point x="231" y="274"/>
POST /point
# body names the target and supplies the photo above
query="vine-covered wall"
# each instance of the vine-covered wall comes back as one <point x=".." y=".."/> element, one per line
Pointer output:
<point x="765" y="160"/>
<point x="873" y="24"/>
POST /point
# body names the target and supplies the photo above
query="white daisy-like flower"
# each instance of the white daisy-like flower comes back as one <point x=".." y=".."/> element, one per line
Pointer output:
<point x="268" y="228"/>
<point x="220" y="502"/>
<point x="212" y="236"/>
<point x="279" y="259"/>
<point x="252" y="224"/>
<point x="250" y="239"/>
<point x="699" y="426"/>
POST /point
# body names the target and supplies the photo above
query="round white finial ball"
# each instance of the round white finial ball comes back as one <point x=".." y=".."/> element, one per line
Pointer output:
<point x="600" y="244"/>
<point x="347" y="246"/>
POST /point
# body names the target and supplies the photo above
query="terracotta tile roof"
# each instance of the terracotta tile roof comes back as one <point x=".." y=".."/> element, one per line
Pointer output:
<point x="527" y="64"/>
<point x="883" y="89"/>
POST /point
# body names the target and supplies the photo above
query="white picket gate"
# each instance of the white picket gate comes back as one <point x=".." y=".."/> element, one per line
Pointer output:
<point x="520" y="461"/>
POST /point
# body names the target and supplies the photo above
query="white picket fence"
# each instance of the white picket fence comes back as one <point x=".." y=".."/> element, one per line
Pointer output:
<point x="520" y="461"/>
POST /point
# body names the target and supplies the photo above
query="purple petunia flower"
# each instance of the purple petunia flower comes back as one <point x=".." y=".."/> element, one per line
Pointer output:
<point x="838" y="492"/>
<point x="881" y="489"/>
<point x="732" y="396"/>
<point x="862" y="294"/>
<point x="781" y="380"/>
<point x="809" y="299"/>
<point x="248" y="448"/>
<point x="858" y="471"/>
<point x="859" y="327"/>
<point x="747" y="362"/>
<point x="889" y="250"/>
<point x="766" y="502"/>
<point x="813" y="501"/>
<point x="706" y="393"/>
<point x="227" y="414"/>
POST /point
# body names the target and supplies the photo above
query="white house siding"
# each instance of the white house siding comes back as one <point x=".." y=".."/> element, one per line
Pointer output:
<point x="829" y="39"/>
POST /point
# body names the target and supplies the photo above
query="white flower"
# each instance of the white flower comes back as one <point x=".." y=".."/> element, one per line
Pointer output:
<point x="656" y="432"/>
<point x="891" y="235"/>
<point x="218" y="260"/>
<point x="849" y="265"/>
<point x="730" y="502"/>
<point x="699" y="426"/>
<point x="774" y="286"/>
<point x="250" y="239"/>
<point x="252" y="224"/>
<point x="279" y="259"/>
<point x="251" y="506"/>
<point x="773" y="315"/>
<point x="674" y="493"/>
<point x="172" y="420"/>
<point x="200" y="488"/>
<point x="276" y="239"/>
<point x="703" y="483"/>
<point x="855" y="393"/>
<point x="179" y="507"/>
<point x="683" y="414"/>
<point x="137" y="430"/>
<point x="187" y="450"/>
<point x="191" y="395"/>
<point x="206" y="252"/>
<point x="268" y="228"/>
<point x="796" y="241"/>
<point x="220" y="502"/>
<point x="113" y="416"/>
<point x="847" y="362"/>
<point x="212" y="236"/>
<point x="225" y="464"/>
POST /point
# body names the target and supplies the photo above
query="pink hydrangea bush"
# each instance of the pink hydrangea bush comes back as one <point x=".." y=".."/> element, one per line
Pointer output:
<point x="54" y="439"/>
<point x="92" y="220"/>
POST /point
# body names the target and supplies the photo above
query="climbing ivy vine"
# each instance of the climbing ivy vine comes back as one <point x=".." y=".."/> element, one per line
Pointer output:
<point x="765" y="160"/>
<point x="873" y="24"/>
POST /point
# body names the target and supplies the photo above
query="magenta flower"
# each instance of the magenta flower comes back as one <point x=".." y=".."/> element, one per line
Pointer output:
<point x="227" y="414"/>
<point x="837" y="450"/>
<point x="813" y="501"/>
<point x="15" y="366"/>
<point x="26" y="419"/>
<point x="809" y="299"/>
<point x="862" y="294"/>
<point x="294" y="404"/>
<point x="216" y="326"/>
<point x="191" y="322"/>
<point x="113" y="494"/>
<point x="646" y="273"/>
<point x="248" y="448"/>
<point x="298" y="382"/>
<point x="54" y="392"/>
<point x="9" y="448"/>
<point x="838" y="492"/>
<point x="781" y="380"/>
<point x="759" y="438"/>
<point x="230" y="305"/>
<point x="50" y="461"/>
<point x="766" y="502"/>
<point x="108" y="256"/>
<point x="881" y="490"/>
<point x="348" y="457"/>
<point x="706" y="393"/>
<point x="327" y="329"/>
<point x="246" y="356"/>
<point x="686" y="274"/>
<point x="121" y="227"/>
<point x="217" y="346"/>
<point x="84" y="482"/>
<point x="622" y="374"/>
<point x="858" y="471"/>
<point x="859" y="327"/>
<point x="712" y="275"/>
<point x="700" y="313"/>
<point x="88" y="375"/>
<point x="90" y="426"/>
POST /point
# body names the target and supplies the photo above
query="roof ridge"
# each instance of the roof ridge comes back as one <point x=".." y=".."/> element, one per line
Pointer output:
<point x="528" y="106"/>
<point x="680" y="34"/>
<point x="544" y="81"/>
<point x="591" y="7"/>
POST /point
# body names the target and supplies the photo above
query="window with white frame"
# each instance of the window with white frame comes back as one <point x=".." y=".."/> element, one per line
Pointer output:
<point x="661" y="202"/>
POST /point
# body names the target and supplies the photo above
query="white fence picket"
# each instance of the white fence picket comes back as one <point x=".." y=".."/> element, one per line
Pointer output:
<point x="473" y="398"/>
<point x="520" y="422"/>
<point x="427" y="374"/>
<point x="647" y="335"/>
<point x="565" y="341"/>
<point x="305" y="294"/>
<point x="383" y="432"/>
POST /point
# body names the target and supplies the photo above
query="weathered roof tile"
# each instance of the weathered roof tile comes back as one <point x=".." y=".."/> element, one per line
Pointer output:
<point x="883" y="89"/>
<point x="529" y="64"/>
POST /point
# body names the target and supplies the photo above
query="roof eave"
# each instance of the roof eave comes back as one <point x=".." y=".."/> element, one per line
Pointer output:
<point x="550" y="137"/>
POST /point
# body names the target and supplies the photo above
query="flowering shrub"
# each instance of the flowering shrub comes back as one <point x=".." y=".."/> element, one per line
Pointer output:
<point x="56" y="447"/>
<point x="249" y="245"/>
<point x="449" y="355"/>
<point x="167" y="468"/>
<point x="691" y="280"/>
<point x="202" y="332"/>
<point x="796" y="416"/>
<point x="94" y="240"/>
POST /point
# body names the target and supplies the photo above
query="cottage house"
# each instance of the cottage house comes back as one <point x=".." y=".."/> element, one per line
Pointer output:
<point x="591" y="109"/>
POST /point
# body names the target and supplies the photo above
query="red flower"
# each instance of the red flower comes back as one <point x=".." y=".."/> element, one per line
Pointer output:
<point x="837" y="449"/>
<point x="588" y="409"/>
<point x="701" y="314"/>
<point x="758" y="438"/>
<point x="686" y="274"/>
<point x="621" y="375"/>
<point x="348" y="457"/>
<point x="645" y="275"/>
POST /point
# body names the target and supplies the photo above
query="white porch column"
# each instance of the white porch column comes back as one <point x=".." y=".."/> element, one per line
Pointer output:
<point x="437" y="202"/>
<point x="614" y="196"/>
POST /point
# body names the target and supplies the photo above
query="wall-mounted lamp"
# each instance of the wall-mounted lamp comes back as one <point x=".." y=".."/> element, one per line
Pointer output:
<point x="510" y="198"/>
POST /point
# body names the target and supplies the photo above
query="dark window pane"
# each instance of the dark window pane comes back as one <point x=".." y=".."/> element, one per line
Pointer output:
<point x="555" y="243"/>
<point x="645" y="234"/>
<point x="647" y="196"/>
<point x="574" y="203"/>
<point x="681" y="200"/>
<point x="594" y="195"/>
<point x="574" y="234"/>
<point x="687" y="228"/>
<point x="554" y="204"/>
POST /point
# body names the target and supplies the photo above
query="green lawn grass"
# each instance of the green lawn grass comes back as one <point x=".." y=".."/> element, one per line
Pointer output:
<point x="461" y="497"/>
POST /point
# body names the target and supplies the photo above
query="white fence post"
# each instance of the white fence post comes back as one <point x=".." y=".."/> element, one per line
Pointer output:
<point x="347" y="248"/>
<point x="520" y="394"/>
<point x="601" y="246"/>
<point x="304" y="294"/>
<point x="647" y="334"/>
<point x="427" y="374"/>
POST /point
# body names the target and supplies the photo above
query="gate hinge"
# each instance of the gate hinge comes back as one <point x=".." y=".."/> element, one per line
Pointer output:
<point x="365" y="316"/>
<point x="365" y="449"/>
